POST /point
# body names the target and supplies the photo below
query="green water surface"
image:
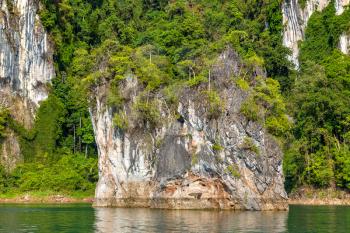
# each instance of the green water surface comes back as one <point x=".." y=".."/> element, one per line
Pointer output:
<point x="84" y="218"/>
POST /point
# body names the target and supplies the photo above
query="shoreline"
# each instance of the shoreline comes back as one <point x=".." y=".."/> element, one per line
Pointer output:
<point x="320" y="202"/>
<point x="62" y="199"/>
<point x="49" y="199"/>
<point x="311" y="196"/>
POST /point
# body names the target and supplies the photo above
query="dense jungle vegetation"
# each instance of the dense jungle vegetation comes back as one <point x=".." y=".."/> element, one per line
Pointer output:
<point x="170" y="43"/>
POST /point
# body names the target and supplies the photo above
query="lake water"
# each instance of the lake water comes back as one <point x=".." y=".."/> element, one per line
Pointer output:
<point x="83" y="218"/>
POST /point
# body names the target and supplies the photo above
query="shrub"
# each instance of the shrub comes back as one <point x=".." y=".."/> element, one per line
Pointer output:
<point x="148" y="111"/>
<point x="251" y="110"/>
<point x="4" y="115"/>
<point x="277" y="126"/>
<point x="242" y="84"/>
<point x="196" y="81"/>
<point x="3" y="179"/>
<point x="70" y="173"/>
<point x="120" y="120"/>
<point x="319" y="171"/>
<point x="217" y="147"/>
<point x="233" y="171"/>
<point x="342" y="165"/>
<point x="194" y="159"/>
<point x="248" y="144"/>
<point x="216" y="105"/>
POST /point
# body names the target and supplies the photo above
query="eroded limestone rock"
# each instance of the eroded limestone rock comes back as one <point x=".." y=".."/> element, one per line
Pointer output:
<point x="175" y="165"/>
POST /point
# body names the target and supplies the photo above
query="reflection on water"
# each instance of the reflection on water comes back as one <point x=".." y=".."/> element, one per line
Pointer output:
<point x="46" y="218"/>
<point x="74" y="218"/>
<point x="148" y="220"/>
<point x="319" y="219"/>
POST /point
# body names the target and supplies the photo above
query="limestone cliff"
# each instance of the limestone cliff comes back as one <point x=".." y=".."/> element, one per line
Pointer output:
<point x="295" y="19"/>
<point x="177" y="165"/>
<point x="25" y="67"/>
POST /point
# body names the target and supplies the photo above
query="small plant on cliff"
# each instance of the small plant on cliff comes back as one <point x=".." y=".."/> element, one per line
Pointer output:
<point x="120" y="120"/>
<point x="194" y="159"/>
<point x="265" y="105"/>
<point x="10" y="6"/>
<point x="4" y="114"/>
<point x="248" y="144"/>
<point x="302" y="3"/>
<point x="217" y="147"/>
<point x="251" y="110"/>
<point x="147" y="111"/>
<point x="233" y="171"/>
<point x="242" y="84"/>
<point x="216" y="105"/>
<point x="113" y="98"/>
<point x="196" y="81"/>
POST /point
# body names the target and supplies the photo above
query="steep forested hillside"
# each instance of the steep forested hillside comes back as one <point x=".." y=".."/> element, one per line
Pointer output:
<point x="174" y="43"/>
<point x="318" y="153"/>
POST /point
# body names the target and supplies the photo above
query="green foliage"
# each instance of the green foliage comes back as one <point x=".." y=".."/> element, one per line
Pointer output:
<point x="342" y="166"/>
<point x="3" y="179"/>
<point x="194" y="159"/>
<point x="251" y="110"/>
<point x="168" y="37"/>
<point x="193" y="82"/>
<point x="320" y="106"/>
<point x="242" y="84"/>
<point x="233" y="171"/>
<point x="319" y="171"/>
<point x="265" y="104"/>
<point x="4" y="117"/>
<point x="171" y="94"/>
<point x="302" y="3"/>
<point x="322" y="34"/>
<point x="217" y="147"/>
<point x="158" y="42"/>
<point x="120" y="120"/>
<point x="113" y="97"/>
<point x="148" y="111"/>
<point x="216" y="104"/>
<point x="293" y="166"/>
<point x="48" y="125"/>
<point x="70" y="173"/>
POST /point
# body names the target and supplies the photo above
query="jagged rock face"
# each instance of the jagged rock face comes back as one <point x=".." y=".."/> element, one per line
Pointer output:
<point x="25" y="66"/>
<point x="296" y="18"/>
<point x="176" y="165"/>
<point x="25" y="55"/>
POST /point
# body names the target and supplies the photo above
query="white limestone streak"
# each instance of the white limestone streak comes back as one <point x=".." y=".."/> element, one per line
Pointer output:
<point x="25" y="54"/>
<point x="339" y="6"/>
<point x="344" y="40"/>
<point x="344" y="43"/>
<point x="295" y="20"/>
